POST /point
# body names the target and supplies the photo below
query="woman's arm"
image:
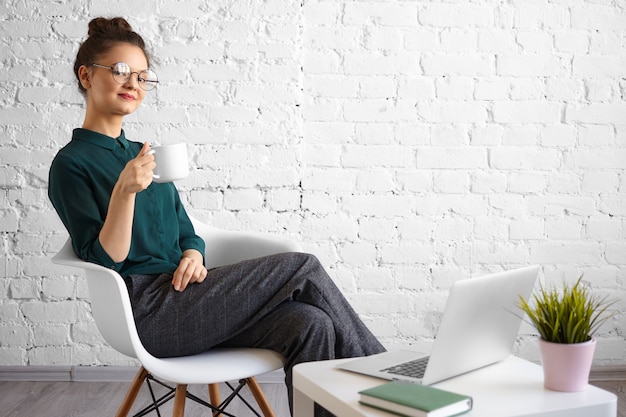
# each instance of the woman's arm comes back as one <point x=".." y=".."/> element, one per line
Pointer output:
<point x="116" y="233"/>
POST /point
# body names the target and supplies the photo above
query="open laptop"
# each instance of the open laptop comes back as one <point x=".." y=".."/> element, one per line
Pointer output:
<point x="478" y="328"/>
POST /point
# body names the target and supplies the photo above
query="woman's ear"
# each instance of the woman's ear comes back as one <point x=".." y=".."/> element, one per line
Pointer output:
<point x="83" y="76"/>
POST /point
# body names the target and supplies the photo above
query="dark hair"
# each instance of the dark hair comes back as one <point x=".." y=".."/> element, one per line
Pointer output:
<point x="103" y="35"/>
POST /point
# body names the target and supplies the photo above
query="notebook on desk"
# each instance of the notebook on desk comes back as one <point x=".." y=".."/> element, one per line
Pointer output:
<point x="478" y="328"/>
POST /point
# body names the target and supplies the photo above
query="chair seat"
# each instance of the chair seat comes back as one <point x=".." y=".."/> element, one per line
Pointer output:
<point x="214" y="366"/>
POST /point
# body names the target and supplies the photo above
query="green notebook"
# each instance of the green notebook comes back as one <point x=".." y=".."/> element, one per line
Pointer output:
<point x="415" y="400"/>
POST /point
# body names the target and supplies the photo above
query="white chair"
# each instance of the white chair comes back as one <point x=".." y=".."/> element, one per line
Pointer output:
<point x="111" y="310"/>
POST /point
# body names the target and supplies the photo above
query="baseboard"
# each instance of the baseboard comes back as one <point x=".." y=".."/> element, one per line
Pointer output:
<point x="127" y="373"/>
<point x="94" y="374"/>
<point x="608" y="373"/>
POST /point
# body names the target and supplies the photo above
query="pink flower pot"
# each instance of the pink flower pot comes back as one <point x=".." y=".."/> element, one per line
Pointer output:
<point x="566" y="367"/>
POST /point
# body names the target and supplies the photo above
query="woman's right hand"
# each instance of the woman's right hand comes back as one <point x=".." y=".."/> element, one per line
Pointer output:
<point x="137" y="174"/>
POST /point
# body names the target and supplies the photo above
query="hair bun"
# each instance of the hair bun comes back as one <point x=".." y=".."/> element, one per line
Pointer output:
<point x="101" y="25"/>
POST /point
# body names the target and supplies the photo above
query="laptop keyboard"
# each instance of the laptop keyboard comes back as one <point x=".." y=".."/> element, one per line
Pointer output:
<point x="414" y="369"/>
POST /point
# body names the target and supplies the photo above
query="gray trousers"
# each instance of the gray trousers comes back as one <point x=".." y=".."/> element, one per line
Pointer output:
<point x="286" y="303"/>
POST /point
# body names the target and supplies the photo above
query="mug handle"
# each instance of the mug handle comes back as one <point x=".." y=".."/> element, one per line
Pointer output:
<point x="155" y="176"/>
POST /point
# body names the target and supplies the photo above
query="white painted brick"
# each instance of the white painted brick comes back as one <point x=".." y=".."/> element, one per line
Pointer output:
<point x="24" y="288"/>
<point x="331" y="226"/>
<point x="604" y="42"/>
<point x="559" y="135"/>
<point x="451" y="182"/>
<point x="283" y="200"/>
<point x="572" y="41"/>
<point x="597" y="18"/>
<point x="613" y="206"/>
<point x="384" y="38"/>
<point x="597" y="65"/>
<point x="375" y="180"/>
<point x="520" y="135"/>
<point x="378" y="205"/>
<point x="530" y="111"/>
<point x="12" y="335"/>
<point x="527" y="229"/>
<point x="367" y="63"/>
<point x="335" y="37"/>
<point x="558" y="183"/>
<point x="368" y="156"/>
<point x="419" y="39"/>
<point x="602" y="228"/>
<point x="534" y="16"/>
<point x="489" y="134"/>
<point x="597" y="158"/>
<point x="326" y="133"/>
<point x="322" y="13"/>
<point x="377" y="87"/>
<point x="51" y="335"/>
<point x="487" y="182"/>
<point x="412" y="181"/>
<point x="9" y="309"/>
<point x="374" y="134"/>
<point x="13" y="356"/>
<point x="455" y="15"/>
<point x="60" y="288"/>
<point x="452" y="112"/>
<point x="562" y="88"/>
<point x="558" y="205"/>
<point x="43" y="312"/>
<point x="595" y="113"/>
<point x="321" y="62"/>
<point x="564" y="229"/>
<point x="9" y="221"/>
<point x="359" y="254"/>
<point x="407" y="144"/>
<point x="496" y="40"/>
<point x="416" y="88"/>
<point x="599" y="90"/>
<point x="332" y="86"/>
<point x="400" y="14"/>
<point x="242" y="199"/>
<point x="452" y="158"/>
<point x="329" y="180"/>
<point x="317" y="202"/>
<point x="463" y="65"/>
<point x="565" y="253"/>
<point x="49" y="355"/>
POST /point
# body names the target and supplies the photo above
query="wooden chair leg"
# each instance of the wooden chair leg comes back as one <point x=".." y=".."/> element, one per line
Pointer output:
<point x="214" y="396"/>
<point x="179" y="400"/>
<point x="265" y="407"/>
<point x="132" y="392"/>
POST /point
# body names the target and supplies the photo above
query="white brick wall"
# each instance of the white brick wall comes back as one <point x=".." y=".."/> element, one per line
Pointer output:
<point x="407" y="144"/>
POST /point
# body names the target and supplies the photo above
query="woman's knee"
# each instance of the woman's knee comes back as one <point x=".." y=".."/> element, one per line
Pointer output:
<point x="308" y="321"/>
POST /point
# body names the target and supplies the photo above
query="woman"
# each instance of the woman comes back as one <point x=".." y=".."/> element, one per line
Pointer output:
<point x="101" y="186"/>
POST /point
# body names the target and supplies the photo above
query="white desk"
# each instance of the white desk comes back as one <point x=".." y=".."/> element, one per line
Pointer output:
<point x="511" y="388"/>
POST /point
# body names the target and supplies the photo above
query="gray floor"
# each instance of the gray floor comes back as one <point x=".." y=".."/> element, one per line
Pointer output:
<point x="90" y="399"/>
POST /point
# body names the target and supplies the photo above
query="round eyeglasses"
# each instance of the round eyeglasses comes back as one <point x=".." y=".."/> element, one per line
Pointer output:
<point x="121" y="73"/>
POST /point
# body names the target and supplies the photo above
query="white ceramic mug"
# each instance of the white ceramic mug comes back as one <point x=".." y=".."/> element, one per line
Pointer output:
<point x="171" y="162"/>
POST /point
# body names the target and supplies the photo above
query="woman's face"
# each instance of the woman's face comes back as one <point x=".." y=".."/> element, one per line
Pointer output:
<point x="105" y="96"/>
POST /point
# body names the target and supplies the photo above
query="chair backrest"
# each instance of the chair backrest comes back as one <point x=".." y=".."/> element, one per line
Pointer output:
<point x="110" y="303"/>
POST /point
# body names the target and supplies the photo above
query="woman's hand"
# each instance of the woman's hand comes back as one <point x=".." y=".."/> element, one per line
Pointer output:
<point x="137" y="174"/>
<point x="190" y="269"/>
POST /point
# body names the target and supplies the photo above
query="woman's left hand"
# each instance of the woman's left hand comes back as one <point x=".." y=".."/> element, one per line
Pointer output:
<point x="190" y="269"/>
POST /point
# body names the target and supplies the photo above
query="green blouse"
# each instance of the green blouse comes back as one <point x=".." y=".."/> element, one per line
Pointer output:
<point x="81" y="179"/>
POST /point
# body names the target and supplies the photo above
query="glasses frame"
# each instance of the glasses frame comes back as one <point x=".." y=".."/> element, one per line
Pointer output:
<point x="146" y="85"/>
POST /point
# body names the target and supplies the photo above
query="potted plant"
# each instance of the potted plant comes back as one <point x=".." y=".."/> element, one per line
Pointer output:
<point x="566" y="321"/>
